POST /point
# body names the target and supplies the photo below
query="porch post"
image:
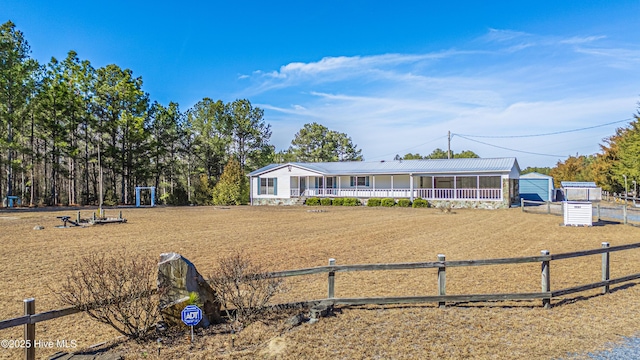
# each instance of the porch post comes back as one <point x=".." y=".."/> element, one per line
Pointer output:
<point x="391" y="186"/>
<point x="308" y="184"/>
<point x="356" y="185"/>
<point x="338" y="184"/>
<point x="411" y="187"/>
<point x="299" y="194"/>
<point x="478" y="187"/>
<point x="433" y="187"/>
<point x="455" y="187"/>
<point x="250" y="190"/>
<point x="374" y="186"/>
<point x="324" y="185"/>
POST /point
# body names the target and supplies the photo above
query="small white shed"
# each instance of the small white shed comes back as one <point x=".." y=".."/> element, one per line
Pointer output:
<point x="581" y="191"/>
<point x="577" y="213"/>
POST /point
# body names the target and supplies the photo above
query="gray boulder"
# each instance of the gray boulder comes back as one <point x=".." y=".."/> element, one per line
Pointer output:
<point x="177" y="277"/>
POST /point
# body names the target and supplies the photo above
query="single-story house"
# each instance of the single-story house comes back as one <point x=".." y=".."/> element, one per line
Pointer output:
<point x="536" y="187"/>
<point x="580" y="191"/>
<point x="490" y="183"/>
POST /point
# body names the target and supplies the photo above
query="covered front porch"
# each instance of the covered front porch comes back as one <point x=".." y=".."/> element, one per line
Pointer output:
<point x="428" y="187"/>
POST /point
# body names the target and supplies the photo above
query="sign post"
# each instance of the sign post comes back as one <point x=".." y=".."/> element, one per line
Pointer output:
<point x="191" y="316"/>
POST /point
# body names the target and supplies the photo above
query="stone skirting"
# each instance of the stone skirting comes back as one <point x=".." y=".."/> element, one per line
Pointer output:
<point x="468" y="204"/>
<point x="275" y="201"/>
<point x="454" y="204"/>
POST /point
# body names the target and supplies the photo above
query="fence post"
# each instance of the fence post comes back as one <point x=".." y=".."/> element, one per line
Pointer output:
<point x="442" y="280"/>
<point x="605" y="268"/>
<point x="332" y="280"/>
<point x="598" y="207"/>
<point x="78" y="218"/>
<point x="548" y="207"/>
<point x="546" y="280"/>
<point x="624" y="213"/>
<point x="522" y="204"/>
<point x="30" y="330"/>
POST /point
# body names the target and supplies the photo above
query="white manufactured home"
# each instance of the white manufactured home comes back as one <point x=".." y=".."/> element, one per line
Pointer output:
<point x="489" y="183"/>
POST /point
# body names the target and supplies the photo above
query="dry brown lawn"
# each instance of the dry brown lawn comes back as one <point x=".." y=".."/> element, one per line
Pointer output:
<point x="281" y="238"/>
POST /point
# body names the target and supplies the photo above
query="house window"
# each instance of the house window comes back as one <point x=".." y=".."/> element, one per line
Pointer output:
<point x="331" y="182"/>
<point x="359" y="181"/>
<point x="445" y="182"/>
<point x="490" y="182"/>
<point x="466" y="182"/>
<point x="426" y="182"/>
<point x="268" y="186"/>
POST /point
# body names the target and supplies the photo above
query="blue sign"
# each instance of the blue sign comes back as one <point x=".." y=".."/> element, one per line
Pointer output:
<point x="191" y="315"/>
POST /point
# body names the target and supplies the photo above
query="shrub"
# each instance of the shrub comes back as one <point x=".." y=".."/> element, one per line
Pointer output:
<point x="420" y="203"/>
<point x="373" y="202"/>
<point x="117" y="289"/>
<point x="325" y="201"/>
<point x="338" y="202"/>
<point x="243" y="289"/>
<point x="404" y="203"/>
<point x="312" y="201"/>
<point x="388" y="202"/>
<point x="351" y="202"/>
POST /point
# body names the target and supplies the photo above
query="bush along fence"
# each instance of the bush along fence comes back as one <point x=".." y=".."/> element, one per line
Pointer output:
<point x="546" y="294"/>
<point x="626" y="214"/>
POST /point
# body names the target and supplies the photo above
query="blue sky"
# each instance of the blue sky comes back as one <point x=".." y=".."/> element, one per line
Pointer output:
<point x="395" y="76"/>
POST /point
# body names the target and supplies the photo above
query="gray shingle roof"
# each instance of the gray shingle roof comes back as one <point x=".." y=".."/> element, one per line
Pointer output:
<point x="404" y="166"/>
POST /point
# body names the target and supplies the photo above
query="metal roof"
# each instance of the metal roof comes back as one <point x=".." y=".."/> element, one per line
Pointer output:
<point x="535" y="175"/>
<point x="436" y="166"/>
<point x="578" y="184"/>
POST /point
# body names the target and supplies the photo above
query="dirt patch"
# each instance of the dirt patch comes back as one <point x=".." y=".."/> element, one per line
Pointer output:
<point x="282" y="238"/>
<point x="275" y="347"/>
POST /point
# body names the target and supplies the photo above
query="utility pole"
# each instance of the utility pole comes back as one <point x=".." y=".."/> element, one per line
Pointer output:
<point x="449" y="145"/>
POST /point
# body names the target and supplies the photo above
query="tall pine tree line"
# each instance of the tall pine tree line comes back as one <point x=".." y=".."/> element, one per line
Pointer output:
<point x="69" y="131"/>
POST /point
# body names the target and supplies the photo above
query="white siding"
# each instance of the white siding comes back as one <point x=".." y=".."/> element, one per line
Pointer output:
<point x="285" y="183"/>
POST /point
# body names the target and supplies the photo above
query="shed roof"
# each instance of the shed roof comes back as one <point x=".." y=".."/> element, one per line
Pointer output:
<point x="535" y="175"/>
<point x="444" y="166"/>
<point x="578" y="184"/>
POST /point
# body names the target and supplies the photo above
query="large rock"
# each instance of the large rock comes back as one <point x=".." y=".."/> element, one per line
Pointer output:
<point x="177" y="277"/>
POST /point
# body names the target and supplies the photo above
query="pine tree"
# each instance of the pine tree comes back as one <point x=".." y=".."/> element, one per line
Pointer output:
<point x="232" y="187"/>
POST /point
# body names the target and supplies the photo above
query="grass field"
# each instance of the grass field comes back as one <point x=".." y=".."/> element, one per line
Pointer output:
<point x="281" y="238"/>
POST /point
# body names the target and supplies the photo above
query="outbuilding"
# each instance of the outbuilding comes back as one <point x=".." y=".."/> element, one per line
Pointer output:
<point x="581" y="191"/>
<point x="536" y="187"/>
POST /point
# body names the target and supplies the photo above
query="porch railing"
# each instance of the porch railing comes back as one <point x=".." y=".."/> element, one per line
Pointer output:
<point x="429" y="194"/>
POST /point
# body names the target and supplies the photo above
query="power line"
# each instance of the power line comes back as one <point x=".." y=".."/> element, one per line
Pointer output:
<point x="413" y="147"/>
<point x="546" y="134"/>
<point x="505" y="148"/>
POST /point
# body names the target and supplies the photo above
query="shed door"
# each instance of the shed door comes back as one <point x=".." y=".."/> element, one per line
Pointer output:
<point x="534" y="189"/>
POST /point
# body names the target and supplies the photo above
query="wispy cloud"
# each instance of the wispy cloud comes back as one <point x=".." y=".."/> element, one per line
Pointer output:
<point x="506" y="82"/>
<point x="582" y="40"/>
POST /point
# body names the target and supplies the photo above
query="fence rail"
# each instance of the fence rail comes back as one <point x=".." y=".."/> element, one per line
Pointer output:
<point x="30" y="318"/>
<point x="627" y="214"/>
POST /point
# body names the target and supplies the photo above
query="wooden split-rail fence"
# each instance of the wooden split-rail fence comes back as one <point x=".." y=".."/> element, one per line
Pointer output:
<point x="30" y="318"/>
